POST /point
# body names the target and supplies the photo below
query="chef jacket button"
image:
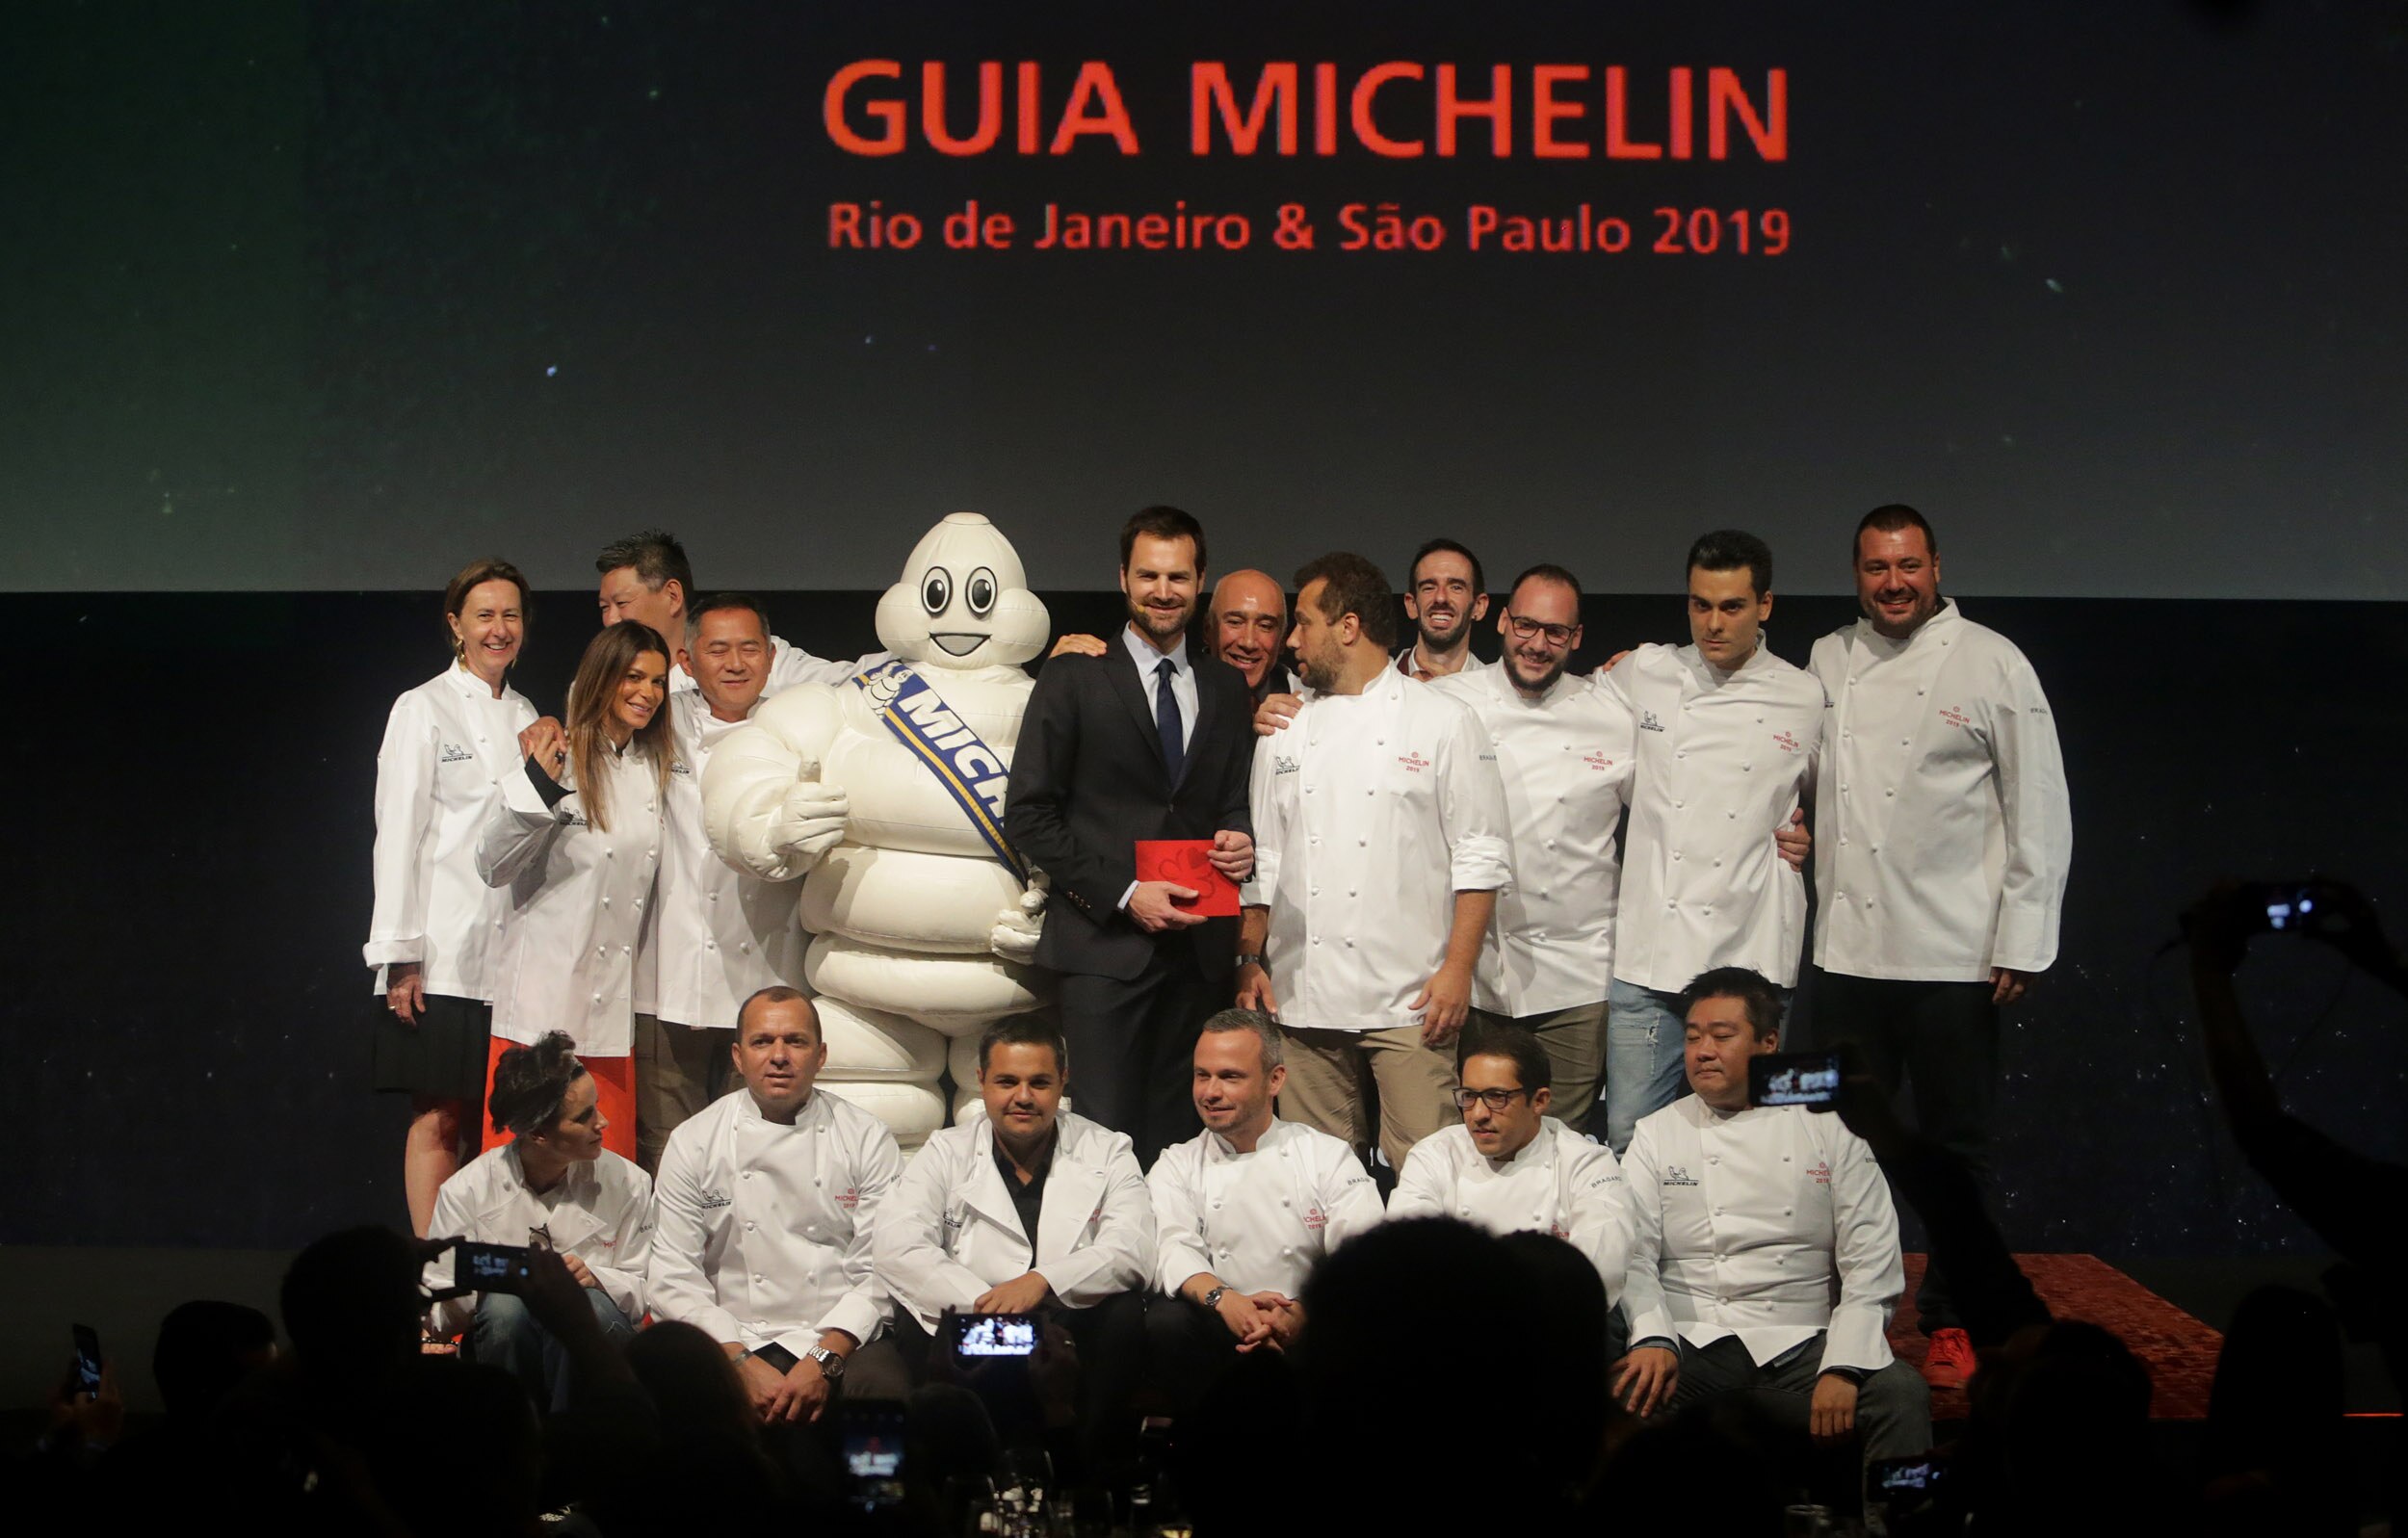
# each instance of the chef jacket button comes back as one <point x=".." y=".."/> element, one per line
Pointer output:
<point x="756" y="1278"/>
<point x="748" y="1228"/>
<point x="609" y="854"/>
<point x="1379" y="741"/>
<point x="1313" y="891"/>
<point x="624" y="950"/>
<point x="1717" y="865"/>
<point x="1844" y="840"/>
<point x="1848" y="737"/>
<point x="606" y="903"/>
<point x="1680" y="806"/>
<point x="1369" y="791"/>
<point x="1542" y="892"/>
<point x="1283" y="1201"/>
<point x="815" y="1180"/>
<point x="1681" y="753"/>
<point x="601" y="950"/>
<point x="1787" y="1210"/>
<point x="597" y="998"/>
<point x="1676" y="856"/>
<point x="1361" y="843"/>
<point x="1285" y="1250"/>
<point x="1709" y="910"/>
<point x="747" y="1175"/>
<point x="1905" y="742"/>
<point x="1731" y="815"/>
<point x="1714" y="1158"/>
<point x="745" y="947"/>
<point x="1350" y="945"/>
<point x="1746" y="767"/>
<point x="1317" y="939"/>
<point x="710" y="945"/>
<point x="1891" y="791"/>
<point x="1784" y="1158"/>
<point x="715" y="897"/>
<point x="1308" y="790"/>
<point x="1215" y="1204"/>
<point x="1350" y="892"/>
<point x="1550" y="843"/>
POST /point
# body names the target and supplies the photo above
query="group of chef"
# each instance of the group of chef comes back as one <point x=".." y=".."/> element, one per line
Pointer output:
<point x="533" y="876"/>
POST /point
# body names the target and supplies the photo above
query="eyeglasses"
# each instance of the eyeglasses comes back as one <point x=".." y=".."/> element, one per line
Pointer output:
<point x="1493" y="1099"/>
<point x="1525" y="629"/>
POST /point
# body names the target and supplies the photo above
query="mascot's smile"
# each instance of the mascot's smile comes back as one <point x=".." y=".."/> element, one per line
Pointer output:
<point x="959" y="643"/>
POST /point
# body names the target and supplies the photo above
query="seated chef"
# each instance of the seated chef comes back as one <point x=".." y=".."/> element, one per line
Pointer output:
<point x="762" y="1218"/>
<point x="1510" y="1166"/>
<point x="1243" y="1209"/>
<point x="552" y="1187"/>
<point x="1024" y="1210"/>
<point x="1763" y="1249"/>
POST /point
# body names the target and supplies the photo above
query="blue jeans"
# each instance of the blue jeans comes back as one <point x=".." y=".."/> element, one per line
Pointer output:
<point x="1643" y="1041"/>
<point x="505" y="1335"/>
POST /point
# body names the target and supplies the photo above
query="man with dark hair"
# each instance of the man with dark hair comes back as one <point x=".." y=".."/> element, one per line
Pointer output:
<point x="1026" y="1209"/>
<point x="1147" y="741"/>
<point x="1945" y="838"/>
<point x="714" y="933"/>
<point x="1510" y="1164"/>
<point x="647" y="577"/>
<point x="1565" y="752"/>
<point x="1764" y="1248"/>
<point x="1445" y="593"/>
<point x="552" y="1187"/>
<point x="1381" y="841"/>
<point x="1726" y="736"/>
<point x="764" y="1213"/>
<point x="1243" y="1209"/>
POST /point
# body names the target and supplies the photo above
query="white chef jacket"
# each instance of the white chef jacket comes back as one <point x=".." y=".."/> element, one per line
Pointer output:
<point x="1723" y="761"/>
<point x="1942" y="829"/>
<point x="1258" y="1220"/>
<point x="1560" y="1183"/>
<point x="1370" y="812"/>
<point x="601" y="1212"/>
<point x="448" y="746"/>
<point x="789" y="664"/>
<point x="1403" y="660"/>
<point x="1565" y="759"/>
<point x="1751" y="1224"/>
<point x="714" y="935"/>
<point x="761" y="1230"/>
<point x="575" y="897"/>
<point x="950" y="1229"/>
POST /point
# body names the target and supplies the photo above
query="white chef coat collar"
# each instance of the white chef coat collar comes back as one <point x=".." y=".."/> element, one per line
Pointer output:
<point x="1539" y="1150"/>
<point x="1220" y="1147"/>
<point x="1500" y="676"/>
<point x="1142" y="651"/>
<point x="1946" y="617"/>
<point x="468" y="686"/>
<point x="750" y="1109"/>
<point x="578" y="1173"/>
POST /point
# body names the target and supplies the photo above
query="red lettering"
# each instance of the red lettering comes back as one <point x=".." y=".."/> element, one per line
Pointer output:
<point x="1546" y="112"/>
<point x="1683" y="127"/>
<point x="1368" y="131"/>
<point x="1620" y="145"/>
<point x="1725" y="98"/>
<point x="1209" y="90"/>
<point x="1026" y="137"/>
<point x="933" y="109"/>
<point x="1498" y="109"/>
<point x="1108" y="116"/>
<point x="890" y="140"/>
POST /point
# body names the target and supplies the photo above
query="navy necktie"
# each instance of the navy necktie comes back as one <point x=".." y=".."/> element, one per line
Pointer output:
<point x="1166" y="718"/>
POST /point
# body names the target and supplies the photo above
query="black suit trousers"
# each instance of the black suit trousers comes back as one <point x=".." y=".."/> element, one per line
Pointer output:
<point x="1133" y="1045"/>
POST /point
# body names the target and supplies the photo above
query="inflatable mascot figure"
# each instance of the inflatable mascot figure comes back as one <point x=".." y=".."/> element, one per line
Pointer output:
<point x="886" y="795"/>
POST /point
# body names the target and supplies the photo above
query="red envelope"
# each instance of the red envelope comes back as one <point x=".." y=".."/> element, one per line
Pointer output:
<point x="1188" y="863"/>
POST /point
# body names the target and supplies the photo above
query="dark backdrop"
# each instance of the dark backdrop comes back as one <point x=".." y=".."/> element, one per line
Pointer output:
<point x="186" y="1022"/>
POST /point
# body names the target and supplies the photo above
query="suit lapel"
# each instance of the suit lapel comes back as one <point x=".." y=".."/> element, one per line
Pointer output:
<point x="1131" y="687"/>
<point x="1207" y="711"/>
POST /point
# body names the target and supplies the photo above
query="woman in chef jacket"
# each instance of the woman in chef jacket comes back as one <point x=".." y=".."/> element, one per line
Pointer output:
<point x="448" y="745"/>
<point x="574" y="845"/>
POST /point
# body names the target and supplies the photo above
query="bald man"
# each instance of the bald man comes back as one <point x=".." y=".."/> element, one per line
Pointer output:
<point x="1246" y="625"/>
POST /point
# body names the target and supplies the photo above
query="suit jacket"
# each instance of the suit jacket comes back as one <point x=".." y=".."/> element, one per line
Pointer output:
<point x="1087" y="781"/>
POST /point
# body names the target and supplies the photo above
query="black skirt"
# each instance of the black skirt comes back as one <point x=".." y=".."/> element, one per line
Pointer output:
<point x="441" y="1055"/>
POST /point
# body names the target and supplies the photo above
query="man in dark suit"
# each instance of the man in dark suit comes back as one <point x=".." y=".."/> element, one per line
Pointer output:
<point x="1152" y="740"/>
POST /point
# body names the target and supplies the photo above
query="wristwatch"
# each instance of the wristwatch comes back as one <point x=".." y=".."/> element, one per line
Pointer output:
<point x="832" y="1366"/>
<point x="1249" y="958"/>
<point x="1212" y="1299"/>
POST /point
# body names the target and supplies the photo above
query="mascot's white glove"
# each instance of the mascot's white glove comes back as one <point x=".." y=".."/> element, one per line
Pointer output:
<point x="810" y="822"/>
<point x="1017" y="929"/>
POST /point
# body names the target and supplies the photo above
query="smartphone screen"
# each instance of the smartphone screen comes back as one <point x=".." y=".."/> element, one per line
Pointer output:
<point x="489" y="1267"/>
<point x="874" y="1452"/>
<point x="87" y="1361"/>
<point x="981" y="1336"/>
<point x="1898" y="1477"/>
<point x="1795" y="1078"/>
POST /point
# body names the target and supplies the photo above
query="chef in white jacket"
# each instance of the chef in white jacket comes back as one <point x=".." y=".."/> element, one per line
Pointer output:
<point x="1946" y="835"/>
<point x="1023" y="1209"/>
<point x="1243" y="1209"/>
<point x="1726" y="736"/>
<point x="1510" y="1165"/>
<point x="553" y="1186"/>
<point x="1564" y="754"/>
<point x="647" y="577"/>
<point x="715" y="934"/>
<point x="762" y="1214"/>
<point x="1764" y="1248"/>
<point x="1380" y="839"/>
<point x="449" y="744"/>
<point x="575" y="845"/>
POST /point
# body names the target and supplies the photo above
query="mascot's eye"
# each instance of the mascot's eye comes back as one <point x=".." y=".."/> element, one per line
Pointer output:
<point x="936" y="590"/>
<point x="982" y="592"/>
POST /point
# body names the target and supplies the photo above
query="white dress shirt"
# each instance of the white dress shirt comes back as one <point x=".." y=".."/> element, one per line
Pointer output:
<point x="575" y="896"/>
<point x="1723" y="761"/>
<point x="1752" y="1224"/>
<point x="448" y="746"/>
<point x="1182" y="678"/>
<point x="761" y="1229"/>
<point x="1258" y="1220"/>
<point x="1565" y="759"/>
<point x="789" y="664"/>
<point x="949" y="1228"/>
<point x="1942" y="829"/>
<point x="1370" y="812"/>
<point x="715" y="934"/>
<point x="600" y="1212"/>
<point x="1560" y="1183"/>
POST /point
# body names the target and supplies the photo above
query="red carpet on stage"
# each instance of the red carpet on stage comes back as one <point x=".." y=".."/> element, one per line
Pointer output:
<point x="2179" y="1350"/>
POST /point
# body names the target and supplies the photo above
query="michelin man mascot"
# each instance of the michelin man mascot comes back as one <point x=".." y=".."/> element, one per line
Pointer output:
<point x="885" y="795"/>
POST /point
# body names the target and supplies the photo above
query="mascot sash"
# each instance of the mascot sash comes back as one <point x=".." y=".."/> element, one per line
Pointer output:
<point x="972" y="772"/>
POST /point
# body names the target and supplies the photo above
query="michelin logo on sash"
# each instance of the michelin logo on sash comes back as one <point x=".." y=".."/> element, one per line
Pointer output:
<point x="972" y="773"/>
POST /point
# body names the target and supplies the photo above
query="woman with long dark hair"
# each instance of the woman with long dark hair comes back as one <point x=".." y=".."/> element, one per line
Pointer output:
<point x="574" y="845"/>
<point x="449" y="744"/>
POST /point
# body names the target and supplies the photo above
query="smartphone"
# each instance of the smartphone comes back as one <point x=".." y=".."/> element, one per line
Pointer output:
<point x="2295" y="908"/>
<point x="874" y="1452"/>
<point x="1809" y="1078"/>
<point x="491" y="1267"/>
<point x="87" y="1361"/>
<point x="1905" y="1481"/>
<point x="983" y="1337"/>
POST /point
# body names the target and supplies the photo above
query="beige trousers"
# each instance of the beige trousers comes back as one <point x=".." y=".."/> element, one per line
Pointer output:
<point x="1338" y="1079"/>
<point x="679" y="1069"/>
<point x="1574" y="1040"/>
